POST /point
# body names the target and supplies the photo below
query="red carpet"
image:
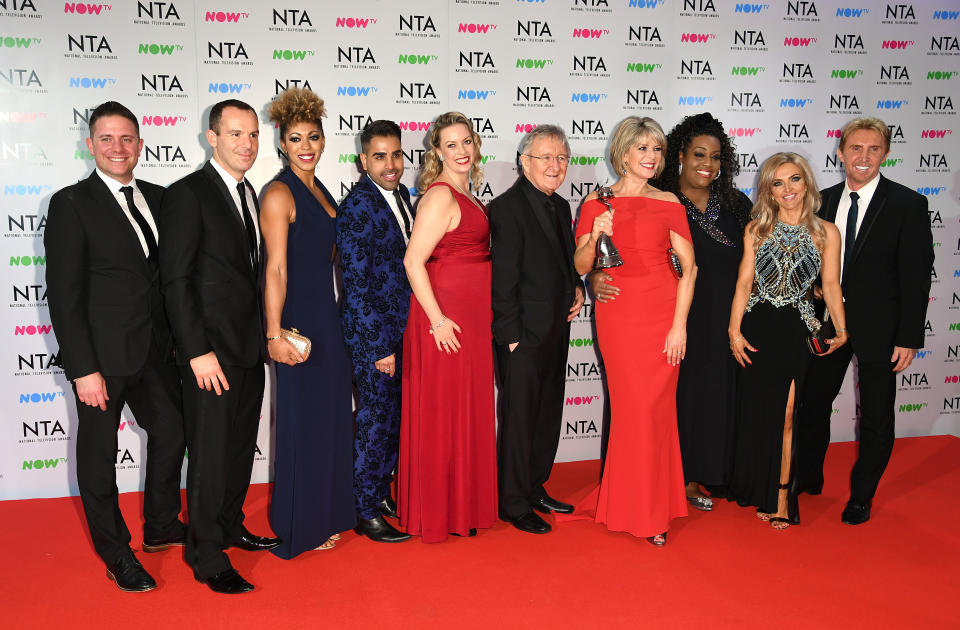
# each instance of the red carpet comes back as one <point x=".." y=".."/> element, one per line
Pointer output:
<point x="719" y="569"/>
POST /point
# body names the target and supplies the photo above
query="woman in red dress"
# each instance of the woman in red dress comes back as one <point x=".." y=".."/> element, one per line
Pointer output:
<point x="642" y="336"/>
<point x="447" y="481"/>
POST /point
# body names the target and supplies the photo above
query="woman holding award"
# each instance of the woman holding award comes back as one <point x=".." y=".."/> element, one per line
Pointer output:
<point x="642" y="335"/>
<point x="313" y="492"/>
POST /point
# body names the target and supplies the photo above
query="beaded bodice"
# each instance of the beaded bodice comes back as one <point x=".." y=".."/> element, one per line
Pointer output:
<point x="787" y="263"/>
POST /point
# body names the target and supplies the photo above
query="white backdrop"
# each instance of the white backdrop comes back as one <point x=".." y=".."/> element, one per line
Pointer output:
<point x="780" y="75"/>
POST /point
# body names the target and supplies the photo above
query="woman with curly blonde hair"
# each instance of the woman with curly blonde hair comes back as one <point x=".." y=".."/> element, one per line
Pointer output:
<point x="785" y="248"/>
<point x="313" y="471"/>
<point x="447" y="480"/>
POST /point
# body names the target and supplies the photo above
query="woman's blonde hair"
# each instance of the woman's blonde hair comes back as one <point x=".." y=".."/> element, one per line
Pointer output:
<point x="296" y="105"/>
<point x="765" y="210"/>
<point x="433" y="166"/>
<point x="628" y="133"/>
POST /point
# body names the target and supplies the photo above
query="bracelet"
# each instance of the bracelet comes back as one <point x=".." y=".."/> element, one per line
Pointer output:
<point x="840" y="330"/>
<point x="274" y="338"/>
<point x="443" y="320"/>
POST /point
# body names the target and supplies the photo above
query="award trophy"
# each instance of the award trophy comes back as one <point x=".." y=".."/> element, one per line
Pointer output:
<point x="607" y="254"/>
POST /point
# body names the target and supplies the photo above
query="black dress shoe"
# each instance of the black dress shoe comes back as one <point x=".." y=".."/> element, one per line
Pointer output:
<point x="388" y="507"/>
<point x="153" y="545"/>
<point x="470" y="532"/>
<point x="130" y="575"/>
<point x="379" y="530"/>
<point x="856" y="513"/>
<point x="547" y="504"/>
<point x="250" y="542"/>
<point x="227" y="582"/>
<point x="530" y="522"/>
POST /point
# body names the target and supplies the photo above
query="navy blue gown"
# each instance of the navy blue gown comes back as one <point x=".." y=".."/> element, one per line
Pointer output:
<point x="313" y="470"/>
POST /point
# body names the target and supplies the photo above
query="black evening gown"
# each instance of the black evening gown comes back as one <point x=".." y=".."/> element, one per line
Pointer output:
<point x="313" y="470"/>
<point x="706" y="390"/>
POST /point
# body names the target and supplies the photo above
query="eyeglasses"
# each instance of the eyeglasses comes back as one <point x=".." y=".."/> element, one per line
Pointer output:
<point x="561" y="160"/>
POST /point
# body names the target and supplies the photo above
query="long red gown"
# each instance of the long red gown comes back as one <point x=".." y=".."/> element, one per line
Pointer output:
<point x="642" y="486"/>
<point x="447" y="475"/>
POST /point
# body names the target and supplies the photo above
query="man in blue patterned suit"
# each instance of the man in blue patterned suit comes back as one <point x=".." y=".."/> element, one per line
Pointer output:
<point x="373" y="228"/>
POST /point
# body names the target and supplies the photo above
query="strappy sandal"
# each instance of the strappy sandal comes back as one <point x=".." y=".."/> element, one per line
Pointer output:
<point x="780" y="523"/>
<point x="329" y="544"/>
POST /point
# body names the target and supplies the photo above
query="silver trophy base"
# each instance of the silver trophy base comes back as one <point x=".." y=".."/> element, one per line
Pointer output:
<point x="606" y="262"/>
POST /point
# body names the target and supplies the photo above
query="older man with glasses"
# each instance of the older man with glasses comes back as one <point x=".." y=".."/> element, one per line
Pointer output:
<point x="536" y="293"/>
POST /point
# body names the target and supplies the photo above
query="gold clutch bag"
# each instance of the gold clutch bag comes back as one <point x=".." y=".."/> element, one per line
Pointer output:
<point x="301" y="342"/>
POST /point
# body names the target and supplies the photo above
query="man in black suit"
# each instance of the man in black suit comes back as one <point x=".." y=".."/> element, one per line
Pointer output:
<point x="536" y="293"/>
<point x="103" y="290"/>
<point x="887" y="256"/>
<point x="210" y="260"/>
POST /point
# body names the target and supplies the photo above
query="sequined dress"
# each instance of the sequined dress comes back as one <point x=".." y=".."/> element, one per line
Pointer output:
<point x="778" y="318"/>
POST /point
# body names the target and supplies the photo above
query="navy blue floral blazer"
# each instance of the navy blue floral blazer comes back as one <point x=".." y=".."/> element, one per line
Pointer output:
<point x="376" y="292"/>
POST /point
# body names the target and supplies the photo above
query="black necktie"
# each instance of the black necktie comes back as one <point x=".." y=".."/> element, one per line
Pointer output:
<point x="142" y="222"/>
<point x="248" y="223"/>
<point x="850" y="236"/>
<point x="403" y="211"/>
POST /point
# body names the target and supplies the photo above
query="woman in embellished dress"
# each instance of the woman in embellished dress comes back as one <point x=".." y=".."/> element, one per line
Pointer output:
<point x="786" y="246"/>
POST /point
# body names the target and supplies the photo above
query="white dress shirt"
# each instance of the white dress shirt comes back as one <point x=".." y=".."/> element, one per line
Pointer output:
<point x="843" y="209"/>
<point x="139" y="201"/>
<point x="392" y="202"/>
<point x="231" y="184"/>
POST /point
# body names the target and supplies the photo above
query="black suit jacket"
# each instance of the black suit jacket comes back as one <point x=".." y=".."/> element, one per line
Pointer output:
<point x="104" y="297"/>
<point x="210" y="288"/>
<point x="887" y="284"/>
<point x="534" y="282"/>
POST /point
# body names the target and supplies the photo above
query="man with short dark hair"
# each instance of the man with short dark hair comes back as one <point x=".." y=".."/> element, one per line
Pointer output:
<point x="210" y="261"/>
<point x="536" y="293"/>
<point x="103" y="289"/>
<point x="373" y="229"/>
<point x="887" y="256"/>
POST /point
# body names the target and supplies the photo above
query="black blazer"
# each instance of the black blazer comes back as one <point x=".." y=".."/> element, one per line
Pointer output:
<point x="887" y="285"/>
<point x="534" y="282"/>
<point x="210" y="288"/>
<point x="104" y="297"/>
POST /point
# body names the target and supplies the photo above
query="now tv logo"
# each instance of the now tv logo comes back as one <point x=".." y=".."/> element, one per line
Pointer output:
<point x="735" y="132"/>
<point x="896" y="44"/>
<point x="415" y="125"/>
<point x="475" y="28"/>
<point x="935" y="133"/>
<point x="581" y="400"/>
<point x="40" y="464"/>
<point x="82" y="8"/>
<point x="31" y="329"/>
<point x="799" y="42"/>
<point x="39" y="397"/>
<point x="590" y="33"/>
<point x="162" y="121"/>
<point x="225" y="16"/>
<point x="354" y="22"/>
<point x="697" y="38"/>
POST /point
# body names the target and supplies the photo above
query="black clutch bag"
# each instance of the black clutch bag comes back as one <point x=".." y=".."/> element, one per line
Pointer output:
<point x="817" y="342"/>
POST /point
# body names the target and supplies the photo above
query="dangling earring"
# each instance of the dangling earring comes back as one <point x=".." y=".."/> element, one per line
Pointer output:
<point x="680" y="170"/>
<point x="718" y="175"/>
<point x="440" y="157"/>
